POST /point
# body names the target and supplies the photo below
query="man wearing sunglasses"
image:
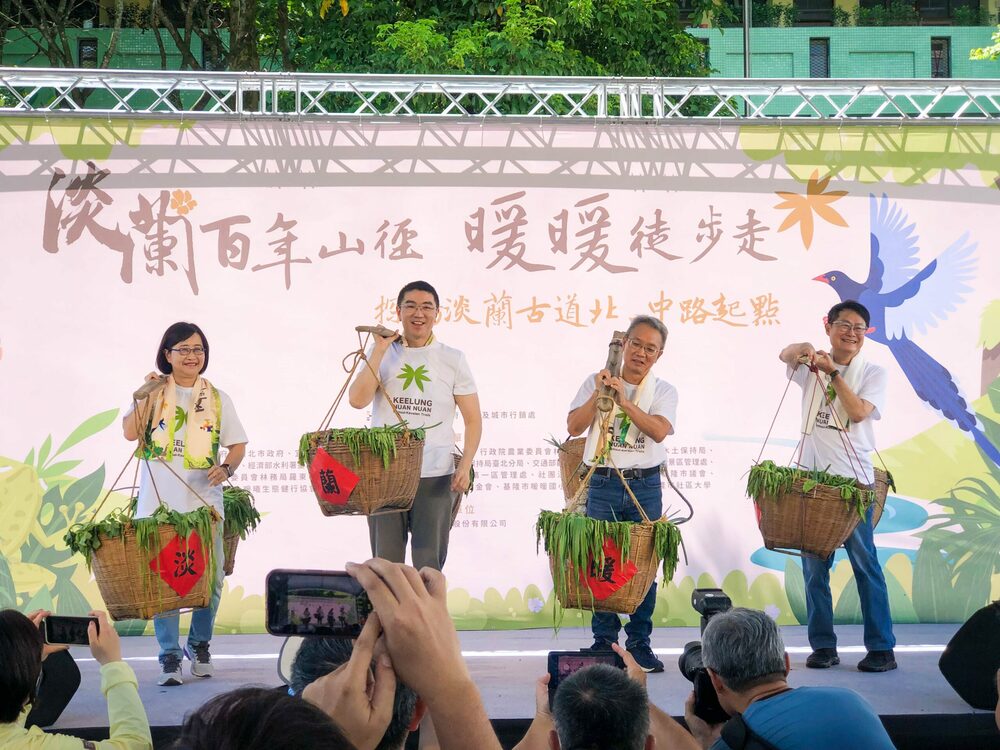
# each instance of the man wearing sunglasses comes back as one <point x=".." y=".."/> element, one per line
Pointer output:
<point x="644" y="413"/>
<point x="842" y="396"/>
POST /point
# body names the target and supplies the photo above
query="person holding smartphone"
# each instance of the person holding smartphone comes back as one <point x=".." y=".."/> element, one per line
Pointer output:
<point x="180" y="430"/>
<point x="22" y="651"/>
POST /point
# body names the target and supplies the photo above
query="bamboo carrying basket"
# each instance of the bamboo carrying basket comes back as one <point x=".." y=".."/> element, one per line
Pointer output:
<point x="815" y="523"/>
<point x="642" y="553"/>
<point x="131" y="589"/>
<point x="229" y="544"/>
<point x="571" y="467"/>
<point x="881" y="493"/>
<point x="379" y="489"/>
<point x="626" y="600"/>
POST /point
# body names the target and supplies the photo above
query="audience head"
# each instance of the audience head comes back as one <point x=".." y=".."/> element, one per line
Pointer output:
<point x="600" y="708"/>
<point x="318" y="657"/>
<point x="20" y="663"/>
<point x="744" y="650"/>
<point x="255" y="718"/>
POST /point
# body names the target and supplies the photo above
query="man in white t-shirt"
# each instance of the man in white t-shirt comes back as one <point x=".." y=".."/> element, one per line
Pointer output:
<point x="426" y="380"/>
<point x="645" y="413"/>
<point x="842" y="396"/>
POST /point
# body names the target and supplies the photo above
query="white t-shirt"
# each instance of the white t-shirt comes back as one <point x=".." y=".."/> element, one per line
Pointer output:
<point x="827" y="446"/>
<point x="423" y="383"/>
<point x="646" y="453"/>
<point x="170" y="489"/>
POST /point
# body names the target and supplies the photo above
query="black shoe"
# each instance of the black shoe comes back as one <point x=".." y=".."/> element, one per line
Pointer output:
<point x="878" y="661"/>
<point x="599" y="644"/>
<point x="823" y="658"/>
<point x="646" y="659"/>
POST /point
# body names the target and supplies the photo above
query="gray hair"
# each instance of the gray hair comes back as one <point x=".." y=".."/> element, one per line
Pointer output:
<point x="601" y="707"/>
<point x="744" y="647"/>
<point x="648" y="320"/>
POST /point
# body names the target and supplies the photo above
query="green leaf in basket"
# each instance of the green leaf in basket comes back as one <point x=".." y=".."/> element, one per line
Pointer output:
<point x="809" y="485"/>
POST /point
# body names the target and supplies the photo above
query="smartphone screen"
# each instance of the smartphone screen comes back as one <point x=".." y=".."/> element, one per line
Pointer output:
<point x="312" y="602"/>
<point x="70" y="630"/>
<point x="564" y="663"/>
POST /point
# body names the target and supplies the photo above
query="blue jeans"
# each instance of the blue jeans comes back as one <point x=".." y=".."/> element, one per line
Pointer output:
<point x="607" y="500"/>
<point x="167" y="626"/>
<point x="860" y="546"/>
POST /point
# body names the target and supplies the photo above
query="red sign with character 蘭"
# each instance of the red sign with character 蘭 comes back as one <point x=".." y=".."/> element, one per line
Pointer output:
<point x="331" y="480"/>
<point x="605" y="577"/>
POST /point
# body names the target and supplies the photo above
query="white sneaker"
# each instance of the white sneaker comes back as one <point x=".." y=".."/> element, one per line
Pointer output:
<point x="170" y="671"/>
<point x="201" y="660"/>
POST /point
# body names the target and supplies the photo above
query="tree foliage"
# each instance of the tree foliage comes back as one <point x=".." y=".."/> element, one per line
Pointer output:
<point x="485" y="37"/>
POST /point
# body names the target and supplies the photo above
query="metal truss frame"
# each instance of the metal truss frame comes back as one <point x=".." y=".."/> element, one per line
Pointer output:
<point x="315" y="96"/>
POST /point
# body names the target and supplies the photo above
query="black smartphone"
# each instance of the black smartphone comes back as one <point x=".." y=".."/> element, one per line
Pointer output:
<point x="68" y="630"/>
<point x="564" y="663"/>
<point x="315" y="602"/>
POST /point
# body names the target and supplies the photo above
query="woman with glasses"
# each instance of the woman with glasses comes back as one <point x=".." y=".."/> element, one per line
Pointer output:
<point x="843" y="394"/>
<point x="182" y="426"/>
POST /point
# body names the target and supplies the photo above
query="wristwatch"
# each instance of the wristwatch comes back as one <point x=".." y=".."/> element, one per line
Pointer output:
<point x="229" y="471"/>
<point x="833" y="374"/>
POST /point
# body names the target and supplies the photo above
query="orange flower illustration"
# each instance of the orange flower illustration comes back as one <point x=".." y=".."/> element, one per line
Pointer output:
<point x="802" y="207"/>
<point x="182" y="202"/>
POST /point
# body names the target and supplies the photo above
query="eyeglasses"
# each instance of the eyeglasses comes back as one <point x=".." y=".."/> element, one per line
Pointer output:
<point x="843" y="325"/>
<point x="186" y="351"/>
<point x="412" y="307"/>
<point x="650" y="350"/>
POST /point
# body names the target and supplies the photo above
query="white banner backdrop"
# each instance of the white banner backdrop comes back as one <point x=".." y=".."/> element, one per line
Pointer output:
<point x="277" y="239"/>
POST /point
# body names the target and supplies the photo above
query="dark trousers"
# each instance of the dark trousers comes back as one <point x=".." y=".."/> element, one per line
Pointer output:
<point x="428" y="522"/>
<point x="607" y="500"/>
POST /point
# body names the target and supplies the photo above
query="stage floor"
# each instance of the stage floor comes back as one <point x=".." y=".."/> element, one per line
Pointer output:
<point x="506" y="663"/>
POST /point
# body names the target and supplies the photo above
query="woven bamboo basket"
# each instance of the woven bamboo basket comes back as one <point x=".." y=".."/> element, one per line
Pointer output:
<point x="131" y="590"/>
<point x="229" y="544"/>
<point x="626" y="600"/>
<point x="814" y="523"/>
<point x="571" y="467"/>
<point x="380" y="489"/>
<point x="881" y="493"/>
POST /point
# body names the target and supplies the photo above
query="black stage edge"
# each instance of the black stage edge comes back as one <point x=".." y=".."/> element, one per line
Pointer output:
<point x="908" y="732"/>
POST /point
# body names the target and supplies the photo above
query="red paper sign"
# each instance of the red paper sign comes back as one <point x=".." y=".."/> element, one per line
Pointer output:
<point x="331" y="480"/>
<point x="180" y="564"/>
<point x="611" y="576"/>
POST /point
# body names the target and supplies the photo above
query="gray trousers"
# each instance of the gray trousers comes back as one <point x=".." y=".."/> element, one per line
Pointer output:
<point x="428" y="521"/>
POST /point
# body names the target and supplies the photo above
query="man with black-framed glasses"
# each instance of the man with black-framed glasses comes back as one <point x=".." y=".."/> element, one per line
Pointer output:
<point x="843" y="394"/>
<point x="427" y="381"/>
<point x="644" y="414"/>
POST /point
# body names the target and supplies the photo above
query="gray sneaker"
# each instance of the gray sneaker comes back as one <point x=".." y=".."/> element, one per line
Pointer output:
<point x="201" y="660"/>
<point x="170" y="671"/>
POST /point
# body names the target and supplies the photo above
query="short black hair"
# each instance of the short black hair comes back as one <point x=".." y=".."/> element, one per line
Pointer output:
<point x="21" y="656"/>
<point x="853" y="306"/>
<point x="177" y="333"/>
<point x="418" y="286"/>
<point x="601" y="707"/>
<point x="318" y="657"/>
<point x="256" y="718"/>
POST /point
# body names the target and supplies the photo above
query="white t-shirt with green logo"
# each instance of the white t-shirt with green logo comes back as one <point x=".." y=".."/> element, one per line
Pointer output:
<point x="423" y="383"/>
<point x="645" y="453"/>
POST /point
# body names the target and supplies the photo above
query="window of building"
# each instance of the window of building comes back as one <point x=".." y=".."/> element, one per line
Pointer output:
<point x="814" y="12"/>
<point x="819" y="57"/>
<point x="940" y="57"/>
<point x="86" y="49"/>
